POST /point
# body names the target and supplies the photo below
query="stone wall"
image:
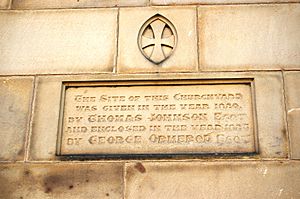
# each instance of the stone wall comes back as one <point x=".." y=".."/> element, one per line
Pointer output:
<point x="43" y="43"/>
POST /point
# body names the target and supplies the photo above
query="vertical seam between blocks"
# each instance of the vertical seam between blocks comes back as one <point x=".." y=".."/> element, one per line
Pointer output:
<point x="30" y="123"/>
<point x="198" y="40"/>
<point x="10" y="4"/>
<point x="124" y="180"/>
<point x="286" y="117"/>
<point x="115" y="70"/>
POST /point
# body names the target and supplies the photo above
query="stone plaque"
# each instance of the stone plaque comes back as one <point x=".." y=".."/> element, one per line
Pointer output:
<point x="157" y="117"/>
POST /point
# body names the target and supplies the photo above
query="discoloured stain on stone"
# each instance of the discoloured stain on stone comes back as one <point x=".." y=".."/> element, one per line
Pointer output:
<point x="60" y="180"/>
<point x="140" y="167"/>
<point x="53" y="183"/>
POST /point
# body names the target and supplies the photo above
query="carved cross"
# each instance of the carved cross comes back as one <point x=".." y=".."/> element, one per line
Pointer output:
<point x="157" y="54"/>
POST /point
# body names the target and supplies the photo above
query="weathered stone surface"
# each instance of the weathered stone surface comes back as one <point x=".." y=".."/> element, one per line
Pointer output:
<point x="57" y="41"/>
<point x="294" y="126"/>
<point x="158" y="117"/>
<point x="184" y="57"/>
<point x="36" y="4"/>
<point x="182" y="2"/>
<point x="15" y="107"/>
<point x="292" y="82"/>
<point x="224" y="180"/>
<point x="260" y="37"/>
<point x="65" y="180"/>
<point x="4" y="4"/>
<point x="270" y="116"/>
<point x="292" y="88"/>
<point x="46" y="114"/>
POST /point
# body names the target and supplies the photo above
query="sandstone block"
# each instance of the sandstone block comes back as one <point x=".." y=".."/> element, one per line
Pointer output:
<point x="57" y="41"/>
<point x="15" y="98"/>
<point x="212" y="180"/>
<point x="292" y="82"/>
<point x="4" y="4"/>
<point x="184" y="56"/>
<point x="271" y="129"/>
<point x="252" y="37"/>
<point x="65" y="180"/>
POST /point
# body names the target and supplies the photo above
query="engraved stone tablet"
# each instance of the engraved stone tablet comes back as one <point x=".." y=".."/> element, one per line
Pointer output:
<point x="157" y="117"/>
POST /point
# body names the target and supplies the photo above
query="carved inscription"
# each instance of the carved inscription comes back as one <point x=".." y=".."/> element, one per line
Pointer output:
<point x="160" y="118"/>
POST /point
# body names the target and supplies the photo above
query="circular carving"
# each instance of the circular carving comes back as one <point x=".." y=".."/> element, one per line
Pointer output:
<point x="157" y="39"/>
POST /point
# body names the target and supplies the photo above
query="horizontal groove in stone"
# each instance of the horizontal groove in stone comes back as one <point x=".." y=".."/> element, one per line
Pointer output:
<point x="36" y="4"/>
<point x="218" y="2"/>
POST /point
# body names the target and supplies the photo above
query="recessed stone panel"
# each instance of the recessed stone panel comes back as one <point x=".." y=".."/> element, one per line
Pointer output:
<point x="171" y="24"/>
<point x="158" y="117"/>
<point x="57" y="41"/>
<point x="270" y="116"/>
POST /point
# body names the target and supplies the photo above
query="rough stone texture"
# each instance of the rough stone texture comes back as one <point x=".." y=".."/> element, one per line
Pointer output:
<point x="97" y="44"/>
<point x="184" y="57"/>
<point x="182" y="2"/>
<point x="270" y="116"/>
<point x="261" y="37"/>
<point x="65" y="180"/>
<point x="294" y="126"/>
<point x="272" y="130"/>
<point x="292" y="88"/>
<point x="36" y="4"/>
<point x="57" y="41"/>
<point x="212" y="180"/>
<point x="4" y="4"/>
<point x="15" y="98"/>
